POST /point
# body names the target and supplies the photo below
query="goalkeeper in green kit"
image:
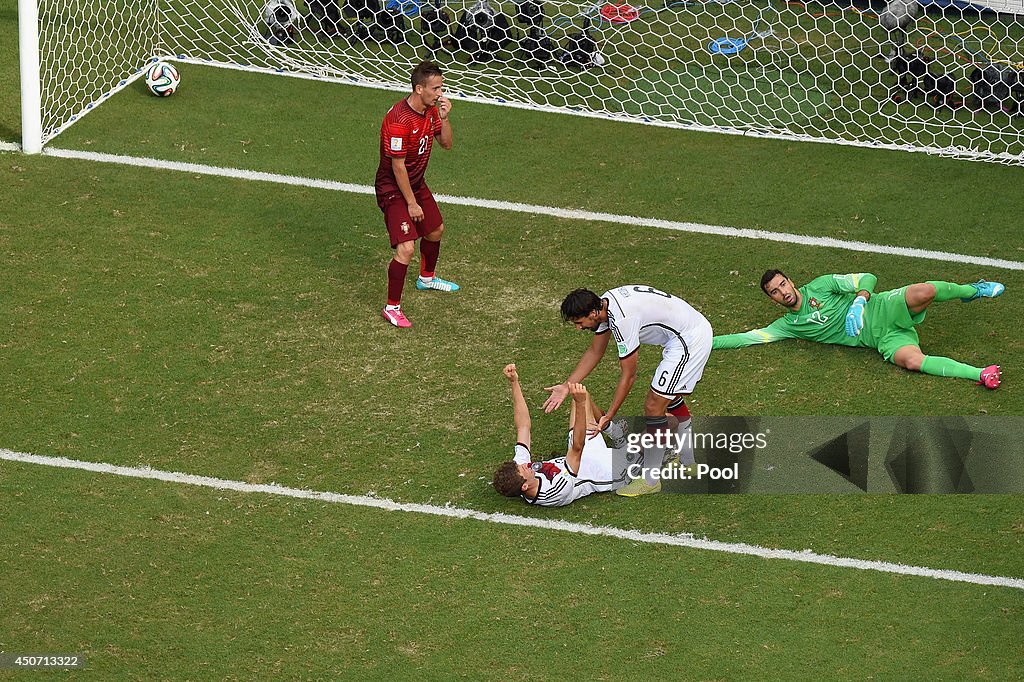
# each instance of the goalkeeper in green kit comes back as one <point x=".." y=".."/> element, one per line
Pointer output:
<point x="844" y="310"/>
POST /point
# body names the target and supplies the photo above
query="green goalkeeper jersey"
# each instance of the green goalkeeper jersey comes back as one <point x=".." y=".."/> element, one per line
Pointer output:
<point x="821" y="317"/>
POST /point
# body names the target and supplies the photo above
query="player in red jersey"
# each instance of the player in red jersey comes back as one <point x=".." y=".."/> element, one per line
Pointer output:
<point x="410" y="212"/>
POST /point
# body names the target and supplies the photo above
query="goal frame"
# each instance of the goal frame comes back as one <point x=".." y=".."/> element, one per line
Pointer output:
<point x="31" y="93"/>
<point x="34" y="137"/>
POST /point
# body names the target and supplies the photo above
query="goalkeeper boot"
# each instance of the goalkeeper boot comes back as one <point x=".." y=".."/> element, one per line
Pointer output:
<point x="990" y="377"/>
<point x="435" y="283"/>
<point x="395" y="316"/>
<point x="985" y="290"/>
<point x="639" y="487"/>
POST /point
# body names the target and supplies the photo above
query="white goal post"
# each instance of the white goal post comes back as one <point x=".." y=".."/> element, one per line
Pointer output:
<point x="28" y="61"/>
<point x="943" y="76"/>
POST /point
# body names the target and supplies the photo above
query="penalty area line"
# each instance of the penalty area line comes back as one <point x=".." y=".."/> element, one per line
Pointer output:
<point x="551" y="211"/>
<point x="682" y="540"/>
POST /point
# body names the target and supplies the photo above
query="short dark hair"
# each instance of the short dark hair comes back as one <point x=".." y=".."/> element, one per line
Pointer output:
<point x="768" y="276"/>
<point x="423" y="72"/>
<point x="579" y="303"/>
<point x="507" y="480"/>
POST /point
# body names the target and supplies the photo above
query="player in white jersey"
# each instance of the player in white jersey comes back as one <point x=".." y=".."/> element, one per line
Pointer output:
<point x="637" y="314"/>
<point x="587" y="467"/>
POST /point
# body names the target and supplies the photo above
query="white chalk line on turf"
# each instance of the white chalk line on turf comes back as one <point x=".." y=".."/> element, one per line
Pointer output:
<point x="683" y="540"/>
<point x="571" y="214"/>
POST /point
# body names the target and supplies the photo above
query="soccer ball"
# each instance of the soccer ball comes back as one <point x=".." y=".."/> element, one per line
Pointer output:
<point x="280" y="14"/>
<point x="162" y="79"/>
<point x="280" y="17"/>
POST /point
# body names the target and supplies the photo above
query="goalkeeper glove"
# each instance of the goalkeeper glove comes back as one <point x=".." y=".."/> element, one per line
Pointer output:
<point x="855" y="318"/>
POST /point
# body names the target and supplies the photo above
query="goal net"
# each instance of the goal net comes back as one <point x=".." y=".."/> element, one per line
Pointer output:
<point x="900" y="74"/>
<point x="88" y="50"/>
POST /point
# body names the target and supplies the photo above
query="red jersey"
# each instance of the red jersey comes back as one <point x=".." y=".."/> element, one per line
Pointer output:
<point x="410" y="134"/>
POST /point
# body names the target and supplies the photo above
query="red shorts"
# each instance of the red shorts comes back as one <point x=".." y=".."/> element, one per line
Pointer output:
<point x="402" y="228"/>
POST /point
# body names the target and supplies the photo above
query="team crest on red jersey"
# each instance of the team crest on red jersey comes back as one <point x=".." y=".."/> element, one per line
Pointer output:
<point x="548" y="469"/>
<point x="814" y="303"/>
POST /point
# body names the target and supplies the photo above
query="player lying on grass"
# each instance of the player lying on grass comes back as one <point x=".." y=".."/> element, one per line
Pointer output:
<point x="842" y="309"/>
<point x="586" y="467"/>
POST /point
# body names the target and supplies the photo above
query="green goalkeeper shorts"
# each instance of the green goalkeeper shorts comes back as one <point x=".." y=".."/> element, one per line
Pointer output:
<point x="890" y="325"/>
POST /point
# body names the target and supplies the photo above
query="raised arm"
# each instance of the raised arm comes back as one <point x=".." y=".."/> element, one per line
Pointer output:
<point x="520" y="412"/>
<point x="579" y="425"/>
<point x="591" y="358"/>
<point x="444" y="106"/>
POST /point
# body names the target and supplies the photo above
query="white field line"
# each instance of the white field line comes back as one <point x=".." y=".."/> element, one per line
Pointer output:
<point x="573" y="214"/>
<point x="683" y="540"/>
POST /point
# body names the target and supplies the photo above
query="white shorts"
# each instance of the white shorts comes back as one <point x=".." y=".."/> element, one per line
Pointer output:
<point x="600" y="470"/>
<point x="594" y="446"/>
<point x="682" y="364"/>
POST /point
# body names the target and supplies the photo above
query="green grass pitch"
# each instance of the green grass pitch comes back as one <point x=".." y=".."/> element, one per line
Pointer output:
<point x="231" y="328"/>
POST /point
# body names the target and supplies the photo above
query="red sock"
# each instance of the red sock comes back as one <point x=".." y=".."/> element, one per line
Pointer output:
<point x="396" y="281"/>
<point x="428" y="257"/>
<point x="682" y="412"/>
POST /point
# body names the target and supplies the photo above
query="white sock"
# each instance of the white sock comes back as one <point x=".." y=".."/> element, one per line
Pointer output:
<point x="615" y="432"/>
<point x="426" y="280"/>
<point x="393" y="307"/>
<point x="654" y="458"/>
<point x="684" y="435"/>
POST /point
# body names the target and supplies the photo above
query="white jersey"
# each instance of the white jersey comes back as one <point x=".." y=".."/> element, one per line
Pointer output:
<point x="559" y="485"/>
<point x="641" y="314"/>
